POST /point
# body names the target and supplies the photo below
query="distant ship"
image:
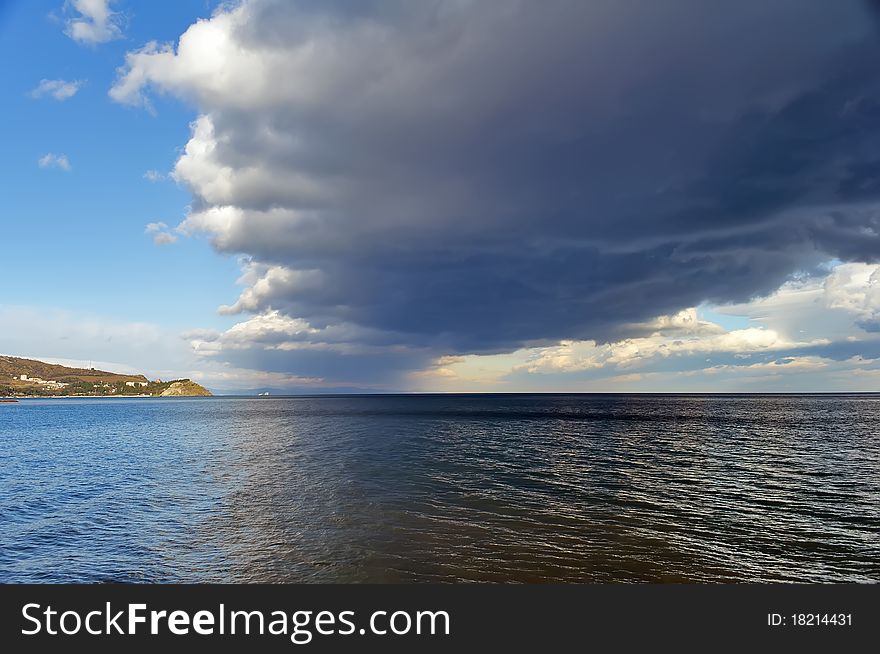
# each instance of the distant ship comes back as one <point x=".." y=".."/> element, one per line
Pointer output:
<point x="262" y="394"/>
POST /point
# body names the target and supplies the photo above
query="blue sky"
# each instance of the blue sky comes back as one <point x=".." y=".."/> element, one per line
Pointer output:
<point x="314" y="197"/>
<point x="78" y="234"/>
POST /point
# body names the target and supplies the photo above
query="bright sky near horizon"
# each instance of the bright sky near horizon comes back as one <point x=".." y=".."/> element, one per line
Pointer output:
<point x="452" y="196"/>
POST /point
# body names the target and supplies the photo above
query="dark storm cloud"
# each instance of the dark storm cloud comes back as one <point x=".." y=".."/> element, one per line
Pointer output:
<point x="473" y="177"/>
<point x="362" y="370"/>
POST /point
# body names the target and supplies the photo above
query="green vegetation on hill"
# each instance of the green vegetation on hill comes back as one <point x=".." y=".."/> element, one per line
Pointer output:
<point x="50" y="380"/>
<point x="15" y="367"/>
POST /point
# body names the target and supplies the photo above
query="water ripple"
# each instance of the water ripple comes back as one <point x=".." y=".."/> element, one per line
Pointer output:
<point x="442" y="488"/>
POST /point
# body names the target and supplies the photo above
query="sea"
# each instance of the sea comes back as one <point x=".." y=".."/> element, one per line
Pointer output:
<point x="442" y="488"/>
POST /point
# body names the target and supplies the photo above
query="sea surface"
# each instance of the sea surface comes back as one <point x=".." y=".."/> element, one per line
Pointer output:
<point x="461" y="488"/>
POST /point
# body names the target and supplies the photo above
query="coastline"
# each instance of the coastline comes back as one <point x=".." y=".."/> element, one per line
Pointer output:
<point x="101" y="397"/>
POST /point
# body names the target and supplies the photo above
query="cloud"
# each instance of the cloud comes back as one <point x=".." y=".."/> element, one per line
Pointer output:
<point x="338" y="355"/>
<point x="686" y="321"/>
<point x="153" y="176"/>
<point x="51" y="160"/>
<point x="57" y="88"/>
<point x="790" y="340"/>
<point x="839" y="304"/>
<point x="164" y="238"/>
<point x="267" y="281"/>
<point x="94" y="22"/>
<point x="855" y="288"/>
<point x="477" y="178"/>
<point x="160" y="234"/>
<point x="586" y="355"/>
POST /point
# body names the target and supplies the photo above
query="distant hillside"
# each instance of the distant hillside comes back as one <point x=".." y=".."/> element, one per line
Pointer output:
<point x="47" y="380"/>
<point x="184" y="388"/>
<point x="15" y="367"/>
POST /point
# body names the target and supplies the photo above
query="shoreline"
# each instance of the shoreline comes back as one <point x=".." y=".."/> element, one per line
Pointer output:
<point x="99" y="397"/>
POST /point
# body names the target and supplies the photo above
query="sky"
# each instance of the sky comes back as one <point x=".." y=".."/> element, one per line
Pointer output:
<point x="445" y="196"/>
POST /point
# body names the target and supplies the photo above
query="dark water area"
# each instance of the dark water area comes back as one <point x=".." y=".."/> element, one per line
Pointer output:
<point x="515" y="488"/>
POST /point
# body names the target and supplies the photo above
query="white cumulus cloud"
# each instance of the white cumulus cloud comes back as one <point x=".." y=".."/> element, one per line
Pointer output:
<point x="58" y="89"/>
<point x="52" y="160"/>
<point x="572" y="356"/>
<point x="855" y="288"/>
<point x="159" y="232"/>
<point x="93" y="21"/>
